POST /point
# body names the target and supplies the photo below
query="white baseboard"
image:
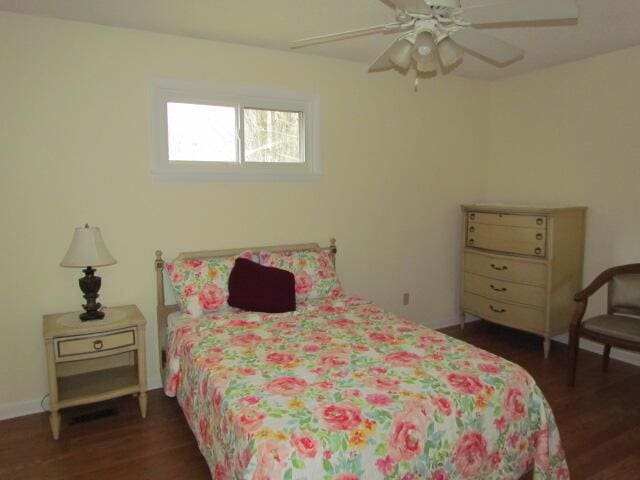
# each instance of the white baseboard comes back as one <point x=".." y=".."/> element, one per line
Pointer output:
<point x="154" y="383"/>
<point x="617" y="354"/>
<point x="588" y="345"/>
<point x="18" y="409"/>
<point x="450" y="322"/>
<point x="28" y="407"/>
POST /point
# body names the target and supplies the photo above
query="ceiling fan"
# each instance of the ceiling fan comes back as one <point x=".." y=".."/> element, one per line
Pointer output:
<point x="436" y="33"/>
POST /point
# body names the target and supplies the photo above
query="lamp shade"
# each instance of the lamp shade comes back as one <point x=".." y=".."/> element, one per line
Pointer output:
<point x="87" y="249"/>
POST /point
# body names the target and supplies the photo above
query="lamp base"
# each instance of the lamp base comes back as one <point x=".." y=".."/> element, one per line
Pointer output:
<point x="99" y="315"/>
<point x="90" y="286"/>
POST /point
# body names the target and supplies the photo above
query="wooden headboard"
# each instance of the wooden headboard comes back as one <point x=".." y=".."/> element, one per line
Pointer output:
<point x="163" y="310"/>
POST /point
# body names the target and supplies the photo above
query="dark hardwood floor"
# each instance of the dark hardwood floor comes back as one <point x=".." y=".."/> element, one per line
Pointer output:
<point x="599" y="418"/>
<point x="599" y="422"/>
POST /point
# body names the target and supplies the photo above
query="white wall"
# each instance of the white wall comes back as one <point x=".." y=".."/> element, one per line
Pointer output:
<point x="75" y="147"/>
<point x="571" y="135"/>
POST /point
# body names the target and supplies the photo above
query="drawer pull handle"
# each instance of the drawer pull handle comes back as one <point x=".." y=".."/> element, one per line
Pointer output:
<point x="496" y="289"/>
<point x="97" y="345"/>
<point x="539" y="221"/>
<point x="538" y="236"/>
<point x="472" y="216"/>
<point x="495" y="267"/>
<point x="471" y="241"/>
<point x="538" y="251"/>
<point x="472" y="229"/>
<point x="497" y="310"/>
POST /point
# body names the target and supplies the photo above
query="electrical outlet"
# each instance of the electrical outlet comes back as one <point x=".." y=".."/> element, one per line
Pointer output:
<point x="405" y="299"/>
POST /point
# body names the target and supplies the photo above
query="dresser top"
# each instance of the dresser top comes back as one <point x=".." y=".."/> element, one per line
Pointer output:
<point x="67" y="324"/>
<point x="503" y="207"/>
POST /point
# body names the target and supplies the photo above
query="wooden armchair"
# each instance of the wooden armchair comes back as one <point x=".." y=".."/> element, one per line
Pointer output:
<point x="617" y="328"/>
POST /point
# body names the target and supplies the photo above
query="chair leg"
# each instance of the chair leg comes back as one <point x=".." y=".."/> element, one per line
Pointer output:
<point x="547" y="347"/>
<point x="605" y="358"/>
<point x="574" y="344"/>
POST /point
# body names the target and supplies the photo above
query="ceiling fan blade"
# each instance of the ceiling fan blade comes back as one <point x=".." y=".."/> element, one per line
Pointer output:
<point x="486" y="45"/>
<point x="332" y="37"/>
<point x="521" y="11"/>
<point x="383" y="62"/>
<point x="411" y="6"/>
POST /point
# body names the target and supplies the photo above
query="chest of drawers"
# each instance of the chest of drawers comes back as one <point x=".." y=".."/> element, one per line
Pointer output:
<point x="522" y="266"/>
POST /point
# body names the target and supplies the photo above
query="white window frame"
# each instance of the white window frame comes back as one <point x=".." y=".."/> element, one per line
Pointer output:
<point x="205" y="93"/>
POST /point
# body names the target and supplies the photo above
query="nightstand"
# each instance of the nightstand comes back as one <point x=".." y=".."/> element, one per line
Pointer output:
<point x="95" y="360"/>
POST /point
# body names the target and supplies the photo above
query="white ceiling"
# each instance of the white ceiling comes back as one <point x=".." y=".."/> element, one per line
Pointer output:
<point x="603" y="26"/>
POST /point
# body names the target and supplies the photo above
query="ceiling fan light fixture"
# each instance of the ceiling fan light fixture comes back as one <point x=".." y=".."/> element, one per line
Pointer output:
<point x="400" y="53"/>
<point x="450" y="52"/>
<point x="435" y="34"/>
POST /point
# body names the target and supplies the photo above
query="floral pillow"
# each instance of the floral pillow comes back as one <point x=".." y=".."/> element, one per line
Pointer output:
<point x="201" y="284"/>
<point x="314" y="272"/>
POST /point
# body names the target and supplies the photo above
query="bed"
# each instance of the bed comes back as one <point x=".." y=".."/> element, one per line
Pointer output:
<point x="341" y="389"/>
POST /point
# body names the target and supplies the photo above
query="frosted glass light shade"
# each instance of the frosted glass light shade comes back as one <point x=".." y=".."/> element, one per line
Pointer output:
<point x="400" y="54"/>
<point x="426" y="64"/>
<point x="87" y="249"/>
<point x="450" y="52"/>
<point x="423" y="45"/>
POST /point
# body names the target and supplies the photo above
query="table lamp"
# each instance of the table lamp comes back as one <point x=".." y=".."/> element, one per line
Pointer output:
<point x="87" y="250"/>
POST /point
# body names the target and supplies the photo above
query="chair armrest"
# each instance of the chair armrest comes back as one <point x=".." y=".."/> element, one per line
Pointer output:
<point x="603" y="278"/>
<point x="584" y="294"/>
<point x="582" y="298"/>
<point x="578" y="315"/>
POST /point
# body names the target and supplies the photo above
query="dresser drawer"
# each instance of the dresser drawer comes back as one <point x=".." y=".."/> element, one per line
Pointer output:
<point x="507" y="239"/>
<point x="508" y="219"/>
<point x="506" y="268"/>
<point x="506" y="291"/>
<point x="95" y="345"/>
<point x="517" y="316"/>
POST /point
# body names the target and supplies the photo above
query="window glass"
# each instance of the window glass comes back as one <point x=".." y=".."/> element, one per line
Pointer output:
<point x="201" y="133"/>
<point x="272" y="136"/>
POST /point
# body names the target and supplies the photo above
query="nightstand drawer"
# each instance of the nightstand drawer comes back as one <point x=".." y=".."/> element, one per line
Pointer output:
<point x="90" y="346"/>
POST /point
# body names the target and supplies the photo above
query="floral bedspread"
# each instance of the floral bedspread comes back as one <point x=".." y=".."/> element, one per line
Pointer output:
<point x="341" y="389"/>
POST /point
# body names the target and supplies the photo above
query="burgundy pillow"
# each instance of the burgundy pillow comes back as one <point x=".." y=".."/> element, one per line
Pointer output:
<point x="257" y="288"/>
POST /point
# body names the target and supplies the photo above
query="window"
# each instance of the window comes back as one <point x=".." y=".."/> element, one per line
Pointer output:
<point x="204" y="132"/>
